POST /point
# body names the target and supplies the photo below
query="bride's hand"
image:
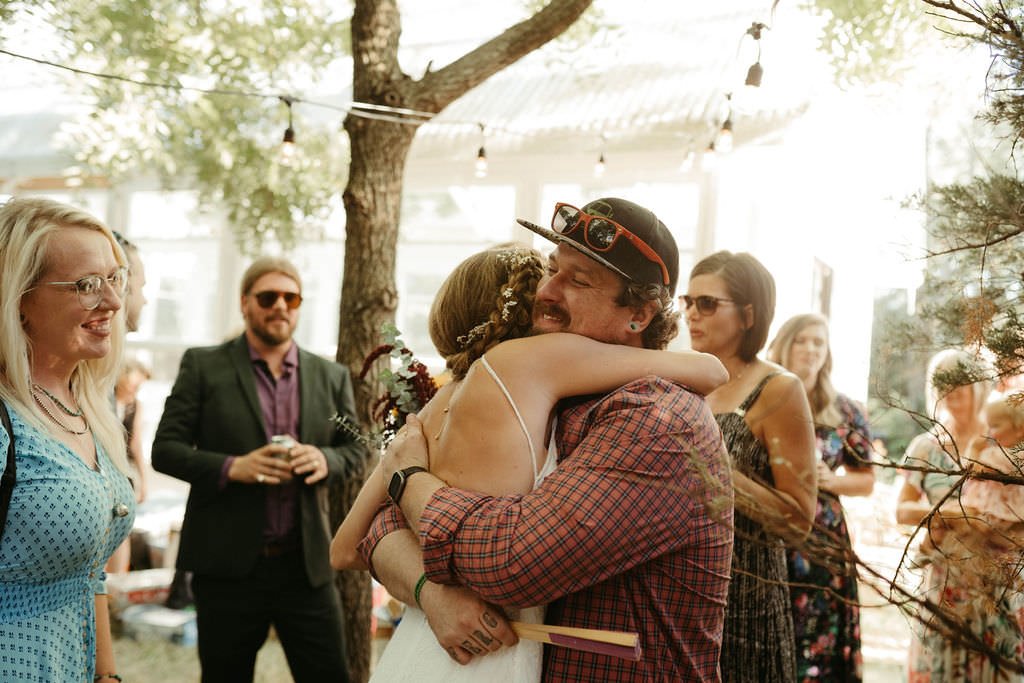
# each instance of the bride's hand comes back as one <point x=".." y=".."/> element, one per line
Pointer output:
<point x="463" y="623"/>
<point x="408" y="448"/>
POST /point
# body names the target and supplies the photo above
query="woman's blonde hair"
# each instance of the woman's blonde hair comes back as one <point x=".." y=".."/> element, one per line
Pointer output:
<point x="27" y="226"/>
<point x="487" y="299"/>
<point x="822" y="396"/>
<point x="952" y="368"/>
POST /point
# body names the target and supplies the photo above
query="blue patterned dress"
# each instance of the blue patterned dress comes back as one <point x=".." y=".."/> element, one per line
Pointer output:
<point x="61" y="528"/>
<point x="822" y="576"/>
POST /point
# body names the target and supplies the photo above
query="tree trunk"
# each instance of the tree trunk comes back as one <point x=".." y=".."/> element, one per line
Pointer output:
<point x="368" y="299"/>
<point x="373" y="200"/>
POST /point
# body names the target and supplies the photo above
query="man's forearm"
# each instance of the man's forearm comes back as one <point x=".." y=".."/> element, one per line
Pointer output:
<point x="398" y="563"/>
<point x="418" y="490"/>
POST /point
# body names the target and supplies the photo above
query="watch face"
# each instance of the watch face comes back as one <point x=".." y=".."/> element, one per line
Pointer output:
<point x="395" y="486"/>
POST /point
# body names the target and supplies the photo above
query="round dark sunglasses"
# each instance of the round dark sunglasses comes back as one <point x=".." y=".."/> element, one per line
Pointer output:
<point x="268" y="298"/>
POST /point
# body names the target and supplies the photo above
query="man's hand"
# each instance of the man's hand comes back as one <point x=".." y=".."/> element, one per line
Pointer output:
<point x="408" y="448"/>
<point x="464" y="624"/>
<point x="266" y="465"/>
<point x="306" y="459"/>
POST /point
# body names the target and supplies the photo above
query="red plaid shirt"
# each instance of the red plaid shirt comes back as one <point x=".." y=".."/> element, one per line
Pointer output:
<point x="621" y="536"/>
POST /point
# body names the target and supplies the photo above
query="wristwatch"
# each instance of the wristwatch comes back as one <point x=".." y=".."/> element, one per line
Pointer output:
<point x="397" y="485"/>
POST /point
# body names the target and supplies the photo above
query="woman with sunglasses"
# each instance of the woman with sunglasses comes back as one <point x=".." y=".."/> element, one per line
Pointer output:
<point x="62" y="282"/>
<point x="767" y="426"/>
<point x="497" y="436"/>
<point x="823" y="578"/>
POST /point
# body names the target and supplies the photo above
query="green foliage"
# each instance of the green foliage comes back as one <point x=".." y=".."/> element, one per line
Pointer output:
<point x="972" y="292"/>
<point x="228" y="143"/>
<point x="973" y="283"/>
<point x="869" y="41"/>
<point x="998" y="27"/>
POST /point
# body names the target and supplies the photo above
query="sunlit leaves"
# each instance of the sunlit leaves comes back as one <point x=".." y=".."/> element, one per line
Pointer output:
<point x="226" y="145"/>
<point x="872" y="40"/>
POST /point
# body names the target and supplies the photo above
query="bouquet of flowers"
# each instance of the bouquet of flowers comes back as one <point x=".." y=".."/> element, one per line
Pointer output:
<point x="407" y="389"/>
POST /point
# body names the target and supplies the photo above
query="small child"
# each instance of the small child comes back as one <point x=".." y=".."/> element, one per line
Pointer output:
<point x="1001" y="452"/>
<point x="988" y="518"/>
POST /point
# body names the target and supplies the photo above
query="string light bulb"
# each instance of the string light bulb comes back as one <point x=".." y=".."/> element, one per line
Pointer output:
<point x="481" y="156"/>
<point x="709" y="160"/>
<point x="599" y="166"/>
<point x="286" y="154"/>
<point x="724" y="142"/>
<point x="687" y="165"/>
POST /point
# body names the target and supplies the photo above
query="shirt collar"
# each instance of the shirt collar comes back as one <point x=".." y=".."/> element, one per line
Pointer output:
<point x="291" y="357"/>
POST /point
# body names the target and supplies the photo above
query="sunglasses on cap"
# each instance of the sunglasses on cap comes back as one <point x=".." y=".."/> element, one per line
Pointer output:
<point x="267" y="298"/>
<point x="601" y="234"/>
<point x="706" y="304"/>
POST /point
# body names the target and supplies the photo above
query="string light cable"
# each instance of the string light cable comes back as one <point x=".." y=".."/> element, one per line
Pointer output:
<point x="362" y="109"/>
<point x="400" y="115"/>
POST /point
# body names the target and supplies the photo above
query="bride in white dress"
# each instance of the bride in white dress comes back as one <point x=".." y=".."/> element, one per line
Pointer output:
<point x="490" y="429"/>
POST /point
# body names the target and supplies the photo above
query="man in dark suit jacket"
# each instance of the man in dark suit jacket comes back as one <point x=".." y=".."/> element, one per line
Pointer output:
<point x="255" y="534"/>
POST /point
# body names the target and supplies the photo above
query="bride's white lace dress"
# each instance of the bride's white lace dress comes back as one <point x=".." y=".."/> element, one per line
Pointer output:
<point x="413" y="653"/>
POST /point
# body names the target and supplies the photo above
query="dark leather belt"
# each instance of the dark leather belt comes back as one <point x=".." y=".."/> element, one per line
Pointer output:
<point x="277" y="549"/>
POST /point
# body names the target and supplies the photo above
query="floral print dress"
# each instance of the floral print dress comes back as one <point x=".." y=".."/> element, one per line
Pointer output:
<point x="985" y="593"/>
<point x="823" y="580"/>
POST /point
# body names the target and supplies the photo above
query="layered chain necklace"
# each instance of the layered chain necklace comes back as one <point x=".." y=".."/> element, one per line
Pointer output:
<point x="37" y="389"/>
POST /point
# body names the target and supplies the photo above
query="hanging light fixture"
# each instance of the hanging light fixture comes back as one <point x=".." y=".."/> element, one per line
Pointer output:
<point x="286" y="154"/>
<point x="756" y="71"/>
<point x="481" y="156"/>
<point x="599" y="166"/>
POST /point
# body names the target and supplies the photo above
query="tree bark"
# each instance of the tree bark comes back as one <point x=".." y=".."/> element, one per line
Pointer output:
<point x="373" y="199"/>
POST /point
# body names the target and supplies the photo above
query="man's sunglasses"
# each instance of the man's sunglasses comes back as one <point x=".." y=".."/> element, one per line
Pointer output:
<point x="706" y="304"/>
<point x="600" y="233"/>
<point x="268" y="298"/>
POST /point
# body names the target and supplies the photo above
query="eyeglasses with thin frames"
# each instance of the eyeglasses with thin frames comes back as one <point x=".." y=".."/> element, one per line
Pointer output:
<point x="706" y="304"/>
<point x="267" y="298"/>
<point x="90" y="287"/>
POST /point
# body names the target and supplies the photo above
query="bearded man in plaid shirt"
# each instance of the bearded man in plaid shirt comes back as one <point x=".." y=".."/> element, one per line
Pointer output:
<point x="632" y="532"/>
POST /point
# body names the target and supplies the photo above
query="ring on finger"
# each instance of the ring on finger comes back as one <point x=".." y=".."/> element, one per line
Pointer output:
<point x="260" y="478"/>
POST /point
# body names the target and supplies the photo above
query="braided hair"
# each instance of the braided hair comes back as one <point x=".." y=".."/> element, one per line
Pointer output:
<point x="487" y="299"/>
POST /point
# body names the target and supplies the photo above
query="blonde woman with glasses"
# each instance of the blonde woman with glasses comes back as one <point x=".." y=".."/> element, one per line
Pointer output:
<point x="62" y="281"/>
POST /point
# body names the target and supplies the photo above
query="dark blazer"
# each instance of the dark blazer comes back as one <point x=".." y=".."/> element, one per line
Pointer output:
<point x="213" y="411"/>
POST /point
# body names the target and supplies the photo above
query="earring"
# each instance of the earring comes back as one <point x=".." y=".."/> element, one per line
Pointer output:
<point x="634" y="327"/>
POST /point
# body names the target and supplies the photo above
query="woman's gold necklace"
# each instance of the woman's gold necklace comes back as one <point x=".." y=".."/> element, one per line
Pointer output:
<point x="739" y="375"/>
<point x="53" y="417"/>
<point x="444" y="421"/>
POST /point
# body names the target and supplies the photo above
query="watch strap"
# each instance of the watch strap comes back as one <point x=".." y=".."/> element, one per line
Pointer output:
<point x="398" y="481"/>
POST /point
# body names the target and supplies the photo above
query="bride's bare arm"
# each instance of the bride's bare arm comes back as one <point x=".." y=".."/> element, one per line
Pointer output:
<point x="574" y="365"/>
<point x="356" y="524"/>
